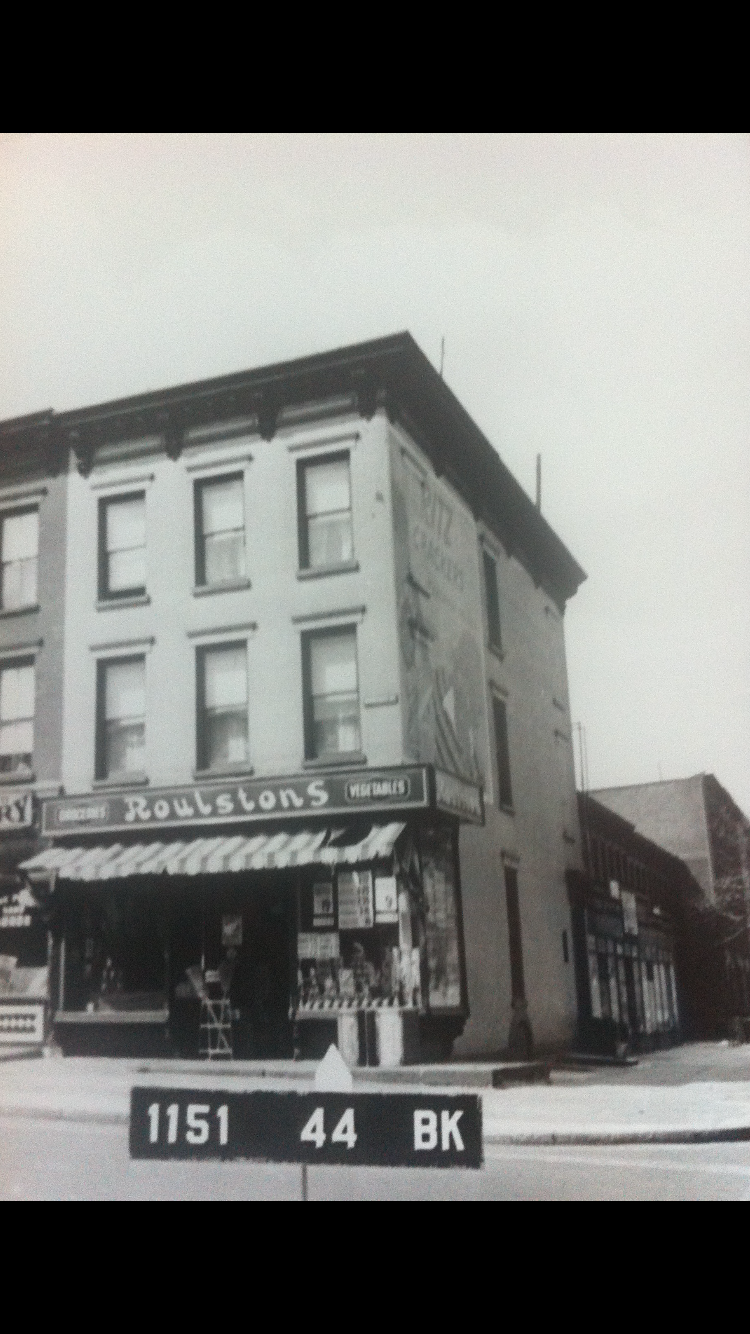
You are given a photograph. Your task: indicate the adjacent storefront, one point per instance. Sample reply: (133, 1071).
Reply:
(625, 970)
(268, 919)
(24, 973)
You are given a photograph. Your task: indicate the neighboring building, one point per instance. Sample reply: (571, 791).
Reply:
(33, 467)
(697, 820)
(631, 914)
(317, 753)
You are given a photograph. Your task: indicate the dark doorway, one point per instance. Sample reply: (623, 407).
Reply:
(245, 921)
(520, 1039)
(518, 988)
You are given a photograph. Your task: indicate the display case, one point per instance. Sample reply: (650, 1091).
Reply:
(379, 948)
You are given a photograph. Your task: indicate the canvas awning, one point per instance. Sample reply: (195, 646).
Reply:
(214, 856)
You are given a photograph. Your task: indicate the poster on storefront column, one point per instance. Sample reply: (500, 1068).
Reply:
(441, 923)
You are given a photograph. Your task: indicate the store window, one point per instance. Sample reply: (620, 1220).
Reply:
(17, 719)
(504, 789)
(492, 599)
(220, 531)
(222, 706)
(121, 709)
(122, 547)
(19, 547)
(115, 956)
(331, 693)
(325, 513)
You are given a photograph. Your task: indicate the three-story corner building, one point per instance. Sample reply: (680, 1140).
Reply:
(33, 485)
(317, 765)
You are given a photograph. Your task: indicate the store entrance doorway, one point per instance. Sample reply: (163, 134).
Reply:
(242, 924)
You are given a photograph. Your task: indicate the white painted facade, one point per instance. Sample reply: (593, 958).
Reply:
(270, 612)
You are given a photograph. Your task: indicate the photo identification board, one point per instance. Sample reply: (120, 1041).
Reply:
(337, 1129)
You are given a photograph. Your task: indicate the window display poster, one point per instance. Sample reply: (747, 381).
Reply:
(323, 904)
(629, 912)
(355, 900)
(386, 899)
(231, 931)
(441, 924)
(318, 945)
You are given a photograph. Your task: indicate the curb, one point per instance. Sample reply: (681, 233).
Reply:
(727, 1135)
(82, 1116)
(732, 1134)
(27, 1054)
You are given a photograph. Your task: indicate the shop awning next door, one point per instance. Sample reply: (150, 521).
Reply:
(215, 856)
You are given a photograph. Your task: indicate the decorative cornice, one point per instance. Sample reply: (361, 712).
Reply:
(386, 373)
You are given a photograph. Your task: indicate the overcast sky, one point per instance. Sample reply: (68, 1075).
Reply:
(592, 291)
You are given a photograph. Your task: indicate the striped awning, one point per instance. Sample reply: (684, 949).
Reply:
(214, 856)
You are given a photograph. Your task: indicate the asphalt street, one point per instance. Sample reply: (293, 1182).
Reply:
(44, 1159)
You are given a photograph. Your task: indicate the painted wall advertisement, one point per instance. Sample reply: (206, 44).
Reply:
(440, 620)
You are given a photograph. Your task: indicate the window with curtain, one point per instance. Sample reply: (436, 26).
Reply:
(222, 707)
(17, 718)
(331, 693)
(19, 549)
(220, 530)
(325, 519)
(122, 718)
(122, 546)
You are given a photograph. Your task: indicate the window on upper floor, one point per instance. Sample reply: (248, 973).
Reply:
(122, 546)
(220, 530)
(331, 693)
(325, 512)
(121, 718)
(492, 600)
(19, 548)
(222, 706)
(17, 718)
(500, 719)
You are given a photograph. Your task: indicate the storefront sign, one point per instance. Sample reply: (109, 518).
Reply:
(16, 910)
(458, 797)
(355, 1129)
(21, 1024)
(240, 802)
(16, 810)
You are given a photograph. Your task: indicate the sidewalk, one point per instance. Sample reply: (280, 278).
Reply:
(695, 1093)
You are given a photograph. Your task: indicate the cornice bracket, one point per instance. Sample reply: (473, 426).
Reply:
(84, 452)
(267, 412)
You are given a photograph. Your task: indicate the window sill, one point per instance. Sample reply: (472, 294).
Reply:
(320, 571)
(122, 780)
(340, 761)
(13, 780)
(110, 604)
(230, 586)
(496, 652)
(18, 611)
(227, 771)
